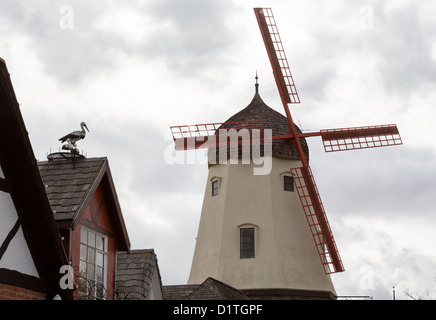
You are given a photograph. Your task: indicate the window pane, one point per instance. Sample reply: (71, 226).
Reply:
(83, 235)
(289, 183)
(99, 275)
(246, 246)
(91, 289)
(247, 232)
(91, 255)
(99, 243)
(99, 290)
(83, 253)
(91, 239)
(247, 242)
(91, 271)
(215, 188)
(82, 268)
(99, 259)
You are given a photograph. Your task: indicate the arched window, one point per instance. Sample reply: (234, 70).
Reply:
(247, 241)
(216, 183)
(287, 181)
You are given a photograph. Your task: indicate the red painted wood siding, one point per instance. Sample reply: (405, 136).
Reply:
(97, 214)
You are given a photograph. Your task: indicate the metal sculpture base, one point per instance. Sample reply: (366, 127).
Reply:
(65, 155)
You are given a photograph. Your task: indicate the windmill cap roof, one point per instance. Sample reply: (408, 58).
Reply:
(278, 123)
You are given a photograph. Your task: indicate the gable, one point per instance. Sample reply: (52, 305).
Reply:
(81, 190)
(96, 212)
(69, 183)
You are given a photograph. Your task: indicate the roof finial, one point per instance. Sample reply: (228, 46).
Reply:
(256, 84)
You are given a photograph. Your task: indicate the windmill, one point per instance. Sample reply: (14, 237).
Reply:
(204, 135)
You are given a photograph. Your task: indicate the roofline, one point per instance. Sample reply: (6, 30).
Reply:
(30, 199)
(102, 173)
(87, 199)
(136, 251)
(119, 215)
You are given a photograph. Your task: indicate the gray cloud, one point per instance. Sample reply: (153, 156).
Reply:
(403, 45)
(188, 41)
(392, 184)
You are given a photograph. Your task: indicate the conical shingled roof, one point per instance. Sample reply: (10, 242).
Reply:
(278, 123)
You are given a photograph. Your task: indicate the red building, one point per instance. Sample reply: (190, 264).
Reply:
(86, 209)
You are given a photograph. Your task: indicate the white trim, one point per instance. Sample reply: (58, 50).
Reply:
(105, 254)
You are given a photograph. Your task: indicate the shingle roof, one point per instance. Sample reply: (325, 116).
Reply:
(178, 292)
(135, 272)
(68, 183)
(278, 123)
(210, 289)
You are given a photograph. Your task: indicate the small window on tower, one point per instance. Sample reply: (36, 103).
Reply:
(247, 242)
(215, 188)
(289, 183)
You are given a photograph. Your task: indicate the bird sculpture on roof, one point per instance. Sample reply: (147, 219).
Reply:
(73, 137)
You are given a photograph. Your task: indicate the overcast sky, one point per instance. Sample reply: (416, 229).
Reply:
(131, 69)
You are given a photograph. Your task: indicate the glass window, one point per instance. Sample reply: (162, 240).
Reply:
(215, 188)
(83, 235)
(99, 243)
(93, 252)
(289, 183)
(247, 242)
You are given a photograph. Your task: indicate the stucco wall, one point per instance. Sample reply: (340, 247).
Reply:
(285, 254)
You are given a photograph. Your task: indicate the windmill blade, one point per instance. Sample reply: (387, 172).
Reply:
(188, 137)
(360, 137)
(317, 220)
(276, 54)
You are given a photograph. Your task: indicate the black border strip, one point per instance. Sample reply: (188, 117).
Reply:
(9, 238)
(4, 185)
(25, 281)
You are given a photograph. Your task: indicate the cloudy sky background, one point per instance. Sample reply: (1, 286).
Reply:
(131, 69)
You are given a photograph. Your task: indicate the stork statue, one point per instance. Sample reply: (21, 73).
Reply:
(73, 137)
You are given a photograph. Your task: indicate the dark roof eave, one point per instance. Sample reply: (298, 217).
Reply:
(105, 177)
(31, 202)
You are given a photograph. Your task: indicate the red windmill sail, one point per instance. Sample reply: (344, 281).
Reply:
(204, 135)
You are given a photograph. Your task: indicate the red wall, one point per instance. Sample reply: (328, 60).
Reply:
(8, 292)
(99, 217)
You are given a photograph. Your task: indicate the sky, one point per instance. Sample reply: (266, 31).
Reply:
(131, 69)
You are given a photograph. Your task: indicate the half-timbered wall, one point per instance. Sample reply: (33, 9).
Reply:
(16, 263)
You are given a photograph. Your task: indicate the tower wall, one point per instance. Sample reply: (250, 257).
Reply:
(285, 254)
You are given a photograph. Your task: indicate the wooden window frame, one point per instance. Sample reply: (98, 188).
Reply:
(94, 252)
